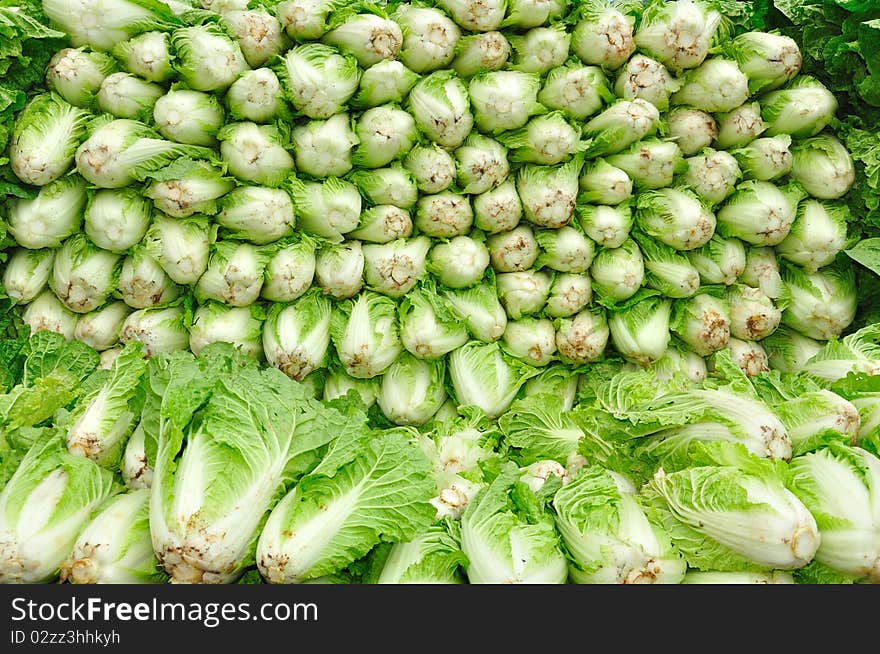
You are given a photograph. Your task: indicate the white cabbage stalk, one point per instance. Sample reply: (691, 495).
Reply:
(766, 158)
(305, 20)
(127, 96)
(607, 226)
(234, 274)
(441, 106)
(117, 219)
(115, 547)
(602, 183)
(540, 49)
(394, 186)
(206, 58)
(256, 96)
(47, 312)
(577, 91)
(76, 74)
(583, 337)
(339, 269)
(648, 79)
(190, 117)
(703, 323)
(120, 151)
(720, 261)
(803, 108)
(817, 235)
(513, 251)
(821, 304)
(525, 14)
(484, 376)
(296, 336)
(603, 37)
(549, 193)
(476, 15)
(569, 294)
(681, 359)
(667, 270)
(741, 519)
(691, 129)
(429, 38)
(43, 508)
(255, 153)
(382, 224)
(257, 214)
(147, 55)
(532, 340)
(740, 126)
(481, 164)
(368, 37)
(428, 327)
(181, 247)
(432, 167)
(762, 271)
(811, 415)
(143, 283)
(759, 212)
(788, 350)
(483, 51)
(679, 34)
(412, 390)
(823, 167)
(383, 133)
(609, 537)
(83, 275)
(290, 272)
(504, 99)
(318, 80)
(258, 34)
(101, 25)
(27, 273)
(44, 139)
(839, 485)
(650, 164)
(713, 175)
(753, 316)
(394, 268)
(444, 215)
(769, 60)
(49, 218)
(498, 209)
(187, 187)
(366, 334)
(338, 383)
(479, 308)
(387, 81)
(715, 86)
(329, 208)
(323, 148)
(432, 557)
(523, 293)
(620, 125)
(159, 330)
(750, 356)
(565, 249)
(547, 139)
(135, 467)
(459, 262)
(100, 329)
(216, 323)
(676, 217)
(640, 333)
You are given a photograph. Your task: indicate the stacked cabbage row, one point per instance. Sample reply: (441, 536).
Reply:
(396, 198)
(215, 469)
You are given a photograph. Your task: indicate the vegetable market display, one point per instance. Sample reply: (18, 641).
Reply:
(509, 291)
